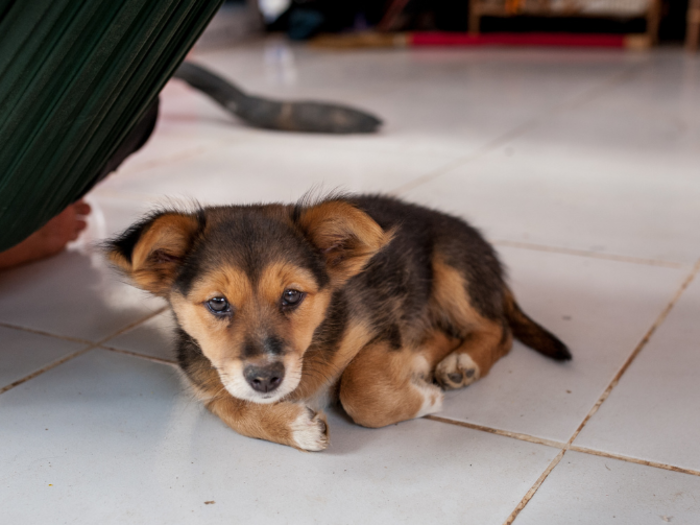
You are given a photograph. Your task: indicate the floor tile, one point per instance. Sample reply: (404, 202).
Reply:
(601, 309)
(274, 168)
(606, 176)
(593, 151)
(23, 353)
(466, 99)
(607, 206)
(74, 294)
(188, 124)
(154, 338)
(586, 489)
(667, 90)
(110, 438)
(113, 213)
(431, 101)
(653, 412)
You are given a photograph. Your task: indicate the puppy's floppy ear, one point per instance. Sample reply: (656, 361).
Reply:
(151, 251)
(347, 236)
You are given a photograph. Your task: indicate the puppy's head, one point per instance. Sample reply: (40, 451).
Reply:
(250, 284)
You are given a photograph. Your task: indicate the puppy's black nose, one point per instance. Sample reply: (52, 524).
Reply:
(264, 378)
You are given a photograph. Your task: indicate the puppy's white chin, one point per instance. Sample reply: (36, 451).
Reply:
(241, 390)
(262, 400)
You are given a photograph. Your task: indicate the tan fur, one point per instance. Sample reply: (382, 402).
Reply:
(320, 374)
(153, 261)
(450, 300)
(270, 422)
(347, 236)
(282, 276)
(383, 386)
(485, 340)
(196, 320)
(436, 345)
(220, 344)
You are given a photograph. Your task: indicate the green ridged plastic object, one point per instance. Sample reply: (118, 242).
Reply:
(75, 76)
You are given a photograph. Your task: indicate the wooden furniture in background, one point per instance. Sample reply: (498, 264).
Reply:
(692, 37)
(649, 9)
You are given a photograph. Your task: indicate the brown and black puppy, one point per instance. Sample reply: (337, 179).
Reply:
(367, 300)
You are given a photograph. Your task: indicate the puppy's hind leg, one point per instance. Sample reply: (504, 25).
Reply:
(382, 386)
(475, 356)
(484, 339)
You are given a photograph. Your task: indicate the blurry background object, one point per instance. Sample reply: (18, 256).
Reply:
(306, 116)
(693, 33)
(236, 21)
(644, 22)
(273, 9)
(626, 9)
(304, 19)
(450, 39)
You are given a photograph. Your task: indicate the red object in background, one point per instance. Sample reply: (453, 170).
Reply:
(437, 38)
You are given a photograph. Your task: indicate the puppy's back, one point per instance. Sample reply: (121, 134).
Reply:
(423, 236)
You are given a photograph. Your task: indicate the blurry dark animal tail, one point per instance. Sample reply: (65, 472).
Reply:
(532, 334)
(313, 117)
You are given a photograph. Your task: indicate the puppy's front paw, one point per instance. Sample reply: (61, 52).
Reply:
(310, 431)
(456, 370)
(432, 398)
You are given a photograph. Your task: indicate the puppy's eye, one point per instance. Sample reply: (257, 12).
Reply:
(218, 305)
(292, 298)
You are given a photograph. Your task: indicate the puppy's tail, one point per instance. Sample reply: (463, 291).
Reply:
(533, 335)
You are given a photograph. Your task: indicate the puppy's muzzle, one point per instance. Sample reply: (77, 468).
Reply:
(264, 378)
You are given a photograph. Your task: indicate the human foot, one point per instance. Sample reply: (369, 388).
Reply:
(50, 239)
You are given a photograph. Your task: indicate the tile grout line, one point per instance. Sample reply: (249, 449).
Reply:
(77, 339)
(629, 459)
(90, 346)
(136, 354)
(583, 98)
(592, 255)
(559, 445)
(466, 159)
(535, 487)
(499, 432)
(132, 325)
(47, 368)
(46, 334)
(661, 318)
(640, 346)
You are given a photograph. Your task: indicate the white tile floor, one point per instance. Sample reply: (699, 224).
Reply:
(582, 167)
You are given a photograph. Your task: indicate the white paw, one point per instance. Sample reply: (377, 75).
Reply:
(457, 370)
(432, 399)
(310, 431)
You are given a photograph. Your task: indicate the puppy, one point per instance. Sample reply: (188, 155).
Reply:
(365, 300)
